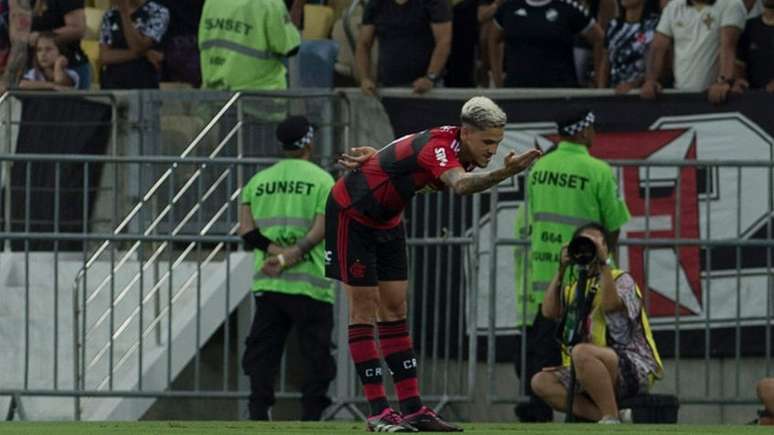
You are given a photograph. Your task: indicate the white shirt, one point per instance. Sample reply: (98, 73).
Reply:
(756, 10)
(695, 32)
(37, 76)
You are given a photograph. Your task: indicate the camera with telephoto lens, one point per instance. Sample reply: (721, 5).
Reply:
(582, 251)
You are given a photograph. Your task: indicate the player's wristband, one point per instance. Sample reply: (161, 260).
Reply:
(281, 259)
(255, 240)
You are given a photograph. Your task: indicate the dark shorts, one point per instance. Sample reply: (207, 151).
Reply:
(359, 255)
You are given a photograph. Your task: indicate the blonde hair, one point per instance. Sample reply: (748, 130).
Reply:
(482, 113)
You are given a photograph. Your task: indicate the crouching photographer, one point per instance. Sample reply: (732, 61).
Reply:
(608, 352)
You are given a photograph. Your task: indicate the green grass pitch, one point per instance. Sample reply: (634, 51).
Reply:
(335, 428)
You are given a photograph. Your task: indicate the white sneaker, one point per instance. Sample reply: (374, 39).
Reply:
(609, 420)
(625, 415)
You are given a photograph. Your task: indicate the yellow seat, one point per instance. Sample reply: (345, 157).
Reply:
(318, 21)
(93, 23)
(91, 48)
(101, 4)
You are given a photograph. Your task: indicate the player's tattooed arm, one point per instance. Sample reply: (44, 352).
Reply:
(466, 183)
(20, 12)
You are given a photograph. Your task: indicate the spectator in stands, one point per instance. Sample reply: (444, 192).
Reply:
(461, 66)
(130, 32)
(583, 53)
(703, 35)
(538, 37)
(755, 57)
(486, 13)
(618, 358)
(627, 42)
(67, 19)
(296, 10)
(181, 53)
(765, 389)
(15, 19)
(754, 8)
(414, 43)
(243, 44)
(50, 66)
(285, 228)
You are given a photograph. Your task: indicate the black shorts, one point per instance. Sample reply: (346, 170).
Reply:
(359, 255)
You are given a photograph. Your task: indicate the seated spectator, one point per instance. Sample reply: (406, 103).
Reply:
(755, 57)
(67, 19)
(603, 12)
(243, 44)
(414, 43)
(765, 389)
(617, 358)
(130, 31)
(539, 37)
(181, 53)
(50, 67)
(627, 42)
(703, 35)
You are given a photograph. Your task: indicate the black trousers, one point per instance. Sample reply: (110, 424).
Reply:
(543, 350)
(275, 314)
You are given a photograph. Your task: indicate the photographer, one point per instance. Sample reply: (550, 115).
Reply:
(615, 357)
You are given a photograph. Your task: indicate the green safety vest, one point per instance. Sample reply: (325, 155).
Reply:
(243, 44)
(566, 188)
(284, 200)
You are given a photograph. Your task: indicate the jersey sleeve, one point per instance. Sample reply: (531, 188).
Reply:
(439, 11)
(665, 22)
(369, 13)
(613, 208)
(438, 157)
(156, 24)
(580, 19)
(734, 15)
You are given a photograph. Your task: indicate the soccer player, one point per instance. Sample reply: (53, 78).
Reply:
(365, 244)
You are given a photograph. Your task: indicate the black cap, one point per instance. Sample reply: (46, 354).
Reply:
(295, 132)
(575, 121)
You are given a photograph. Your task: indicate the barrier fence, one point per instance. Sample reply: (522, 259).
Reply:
(100, 314)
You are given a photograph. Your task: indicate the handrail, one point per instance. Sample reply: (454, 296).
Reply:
(89, 353)
(80, 336)
(161, 215)
(136, 209)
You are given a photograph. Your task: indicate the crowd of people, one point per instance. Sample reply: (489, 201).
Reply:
(718, 46)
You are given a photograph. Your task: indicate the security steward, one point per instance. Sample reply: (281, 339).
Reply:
(567, 188)
(243, 44)
(282, 220)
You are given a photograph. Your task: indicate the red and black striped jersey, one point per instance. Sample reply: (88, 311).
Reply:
(377, 193)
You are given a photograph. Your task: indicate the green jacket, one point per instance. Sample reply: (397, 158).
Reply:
(284, 200)
(243, 44)
(566, 188)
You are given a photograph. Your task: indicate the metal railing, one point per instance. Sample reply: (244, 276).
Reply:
(226, 177)
(447, 241)
(680, 322)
